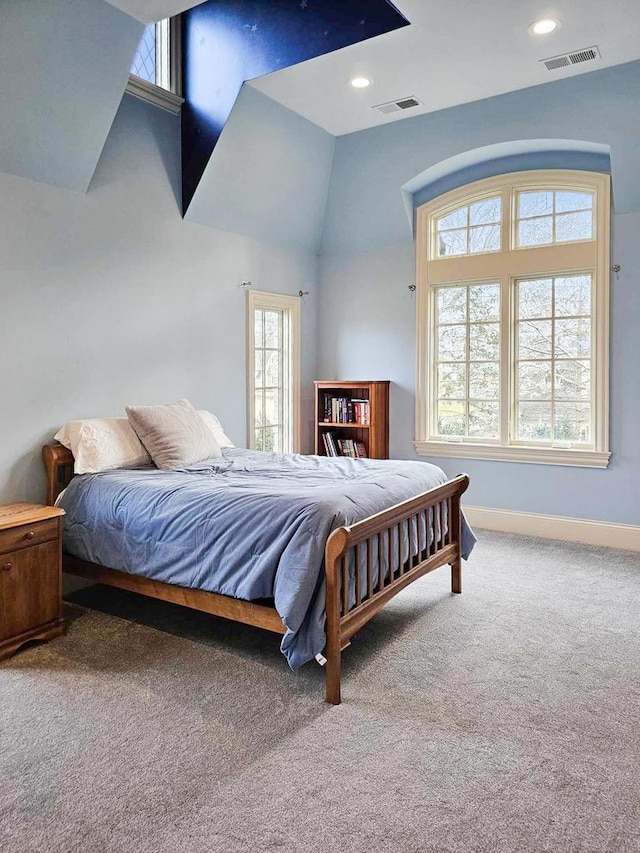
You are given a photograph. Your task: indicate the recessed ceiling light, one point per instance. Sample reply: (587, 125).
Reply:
(360, 82)
(544, 26)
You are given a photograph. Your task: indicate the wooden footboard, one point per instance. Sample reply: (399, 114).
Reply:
(371, 561)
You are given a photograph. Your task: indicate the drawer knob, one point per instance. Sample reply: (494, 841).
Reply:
(29, 535)
(6, 567)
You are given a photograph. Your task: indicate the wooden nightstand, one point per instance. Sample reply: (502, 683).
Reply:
(30, 575)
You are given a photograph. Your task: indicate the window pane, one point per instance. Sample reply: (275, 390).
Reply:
(451, 417)
(573, 338)
(484, 238)
(571, 422)
(484, 302)
(534, 298)
(259, 410)
(534, 204)
(484, 342)
(468, 370)
(272, 333)
(259, 368)
(574, 226)
(452, 304)
(272, 368)
(144, 62)
(534, 380)
(272, 407)
(534, 421)
(534, 339)
(271, 440)
(567, 201)
(259, 329)
(484, 380)
(452, 381)
(566, 358)
(452, 343)
(452, 243)
(486, 212)
(484, 419)
(573, 380)
(573, 295)
(457, 219)
(535, 232)
(259, 440)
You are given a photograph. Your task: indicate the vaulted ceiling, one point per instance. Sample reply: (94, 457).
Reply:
(64, 66)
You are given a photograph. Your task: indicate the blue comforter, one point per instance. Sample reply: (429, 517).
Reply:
(250, 525)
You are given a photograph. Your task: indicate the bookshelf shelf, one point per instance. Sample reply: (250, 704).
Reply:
(341, 425)
(357, 418)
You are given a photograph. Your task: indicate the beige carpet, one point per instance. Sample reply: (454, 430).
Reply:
(504, 720)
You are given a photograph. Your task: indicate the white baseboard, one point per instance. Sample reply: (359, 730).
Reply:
(602, 533)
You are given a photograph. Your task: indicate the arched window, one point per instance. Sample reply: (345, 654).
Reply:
(513, 320)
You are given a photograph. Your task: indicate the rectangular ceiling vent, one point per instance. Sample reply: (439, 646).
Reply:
(587, 54)
(397, 106)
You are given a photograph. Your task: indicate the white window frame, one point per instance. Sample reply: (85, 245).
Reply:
(508, 266)
(258, 300)
(166, 93)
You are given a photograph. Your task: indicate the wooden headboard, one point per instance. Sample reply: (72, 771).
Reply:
(59, 464)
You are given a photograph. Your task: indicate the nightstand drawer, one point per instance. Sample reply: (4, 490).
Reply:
(28, 534)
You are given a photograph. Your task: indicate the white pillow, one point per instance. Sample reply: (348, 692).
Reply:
(216, 428)
(101, 444)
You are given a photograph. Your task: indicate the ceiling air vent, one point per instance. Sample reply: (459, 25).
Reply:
(396, 106)
(587, 54)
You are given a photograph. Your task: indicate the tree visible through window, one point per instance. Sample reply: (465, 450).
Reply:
(513, 325)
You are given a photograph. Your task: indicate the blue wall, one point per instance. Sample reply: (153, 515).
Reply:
(269, 177)
(64, 65)
(367, 314)
(111, 298)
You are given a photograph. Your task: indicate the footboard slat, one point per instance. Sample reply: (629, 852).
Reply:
(430, 526)
(345, 585)
(358, 564)
(381, 568)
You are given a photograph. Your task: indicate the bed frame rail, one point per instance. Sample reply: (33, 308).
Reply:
(370, 562)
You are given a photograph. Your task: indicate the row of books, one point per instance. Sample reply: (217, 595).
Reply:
(343, 446)
(346, 410)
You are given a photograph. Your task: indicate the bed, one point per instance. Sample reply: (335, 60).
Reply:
(307, 547)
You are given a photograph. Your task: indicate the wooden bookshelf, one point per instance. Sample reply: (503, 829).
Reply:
(374, 434)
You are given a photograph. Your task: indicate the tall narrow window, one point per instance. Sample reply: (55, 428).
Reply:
(273, 324)
(513, 284)
(155, 73)
(152, 62)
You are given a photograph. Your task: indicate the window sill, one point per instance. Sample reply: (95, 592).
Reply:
(532, 455)
(154, 94)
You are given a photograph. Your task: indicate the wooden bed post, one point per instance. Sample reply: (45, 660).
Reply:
(335, 548)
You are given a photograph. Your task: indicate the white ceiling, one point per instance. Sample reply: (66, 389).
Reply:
(153, 10)
(456, 51)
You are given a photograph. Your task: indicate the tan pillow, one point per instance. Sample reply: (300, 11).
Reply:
(174, 434)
